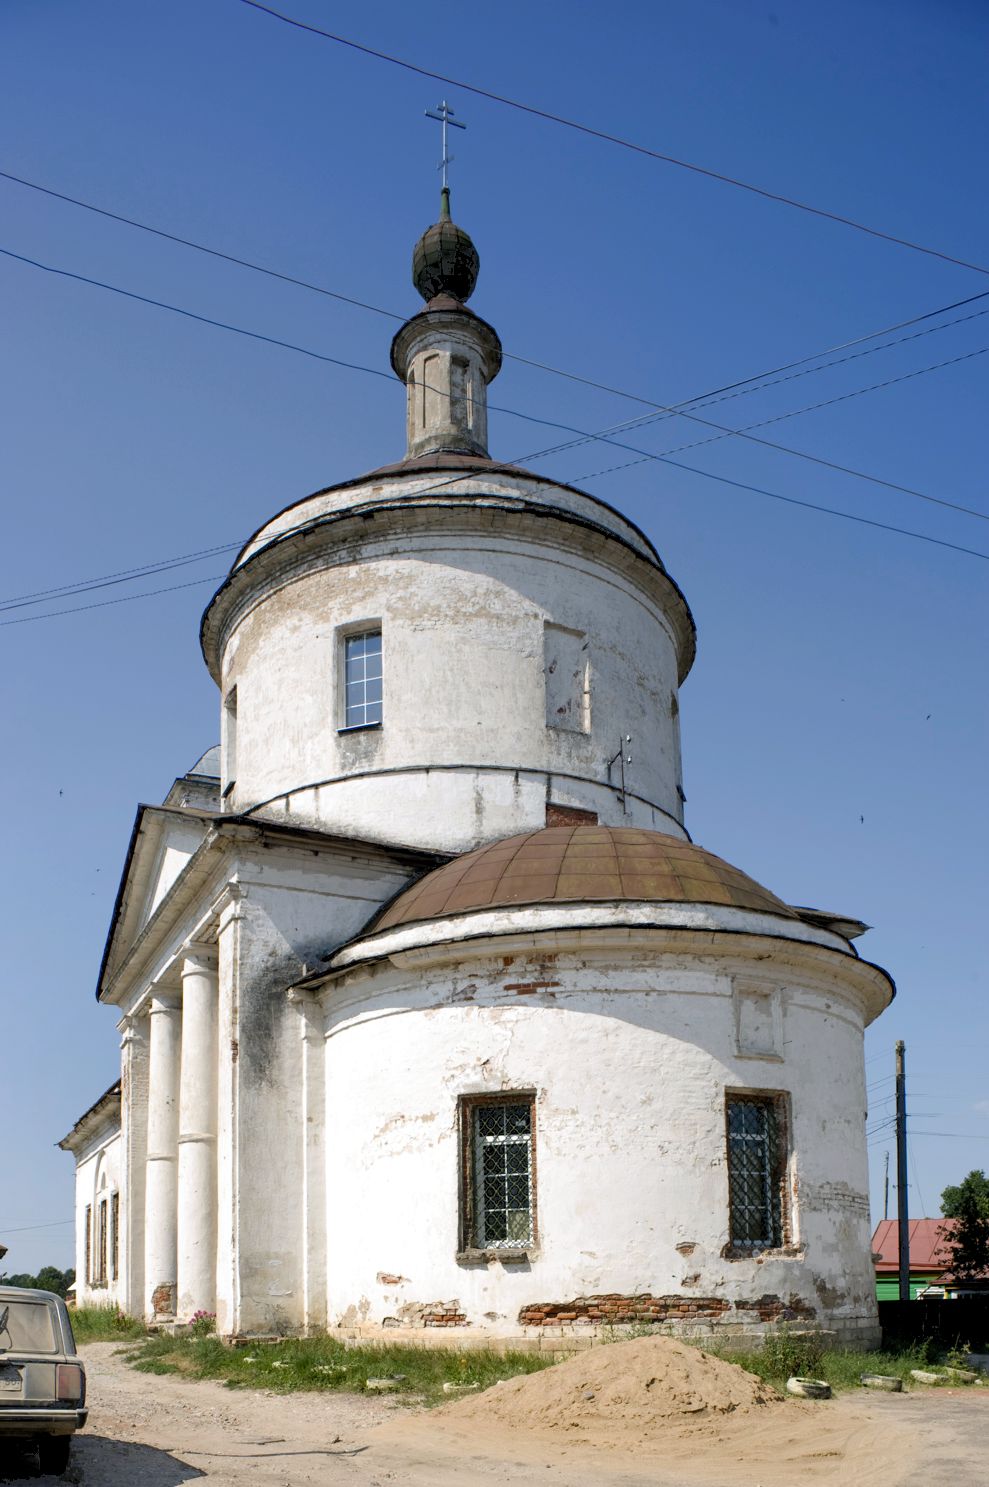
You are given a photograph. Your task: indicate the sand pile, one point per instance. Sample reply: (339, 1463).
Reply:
(635, 1389)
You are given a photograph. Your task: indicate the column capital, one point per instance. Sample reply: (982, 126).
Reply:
(228, 904)
(161, 1000)
(198, 958)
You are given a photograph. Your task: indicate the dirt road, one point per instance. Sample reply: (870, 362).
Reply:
(162, 1431)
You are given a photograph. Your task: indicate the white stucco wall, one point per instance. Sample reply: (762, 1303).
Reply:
(629, 1057)
(464, 753)
(283, 911)
(99, 1174)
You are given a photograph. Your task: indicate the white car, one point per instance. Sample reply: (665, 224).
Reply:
(42, 1378)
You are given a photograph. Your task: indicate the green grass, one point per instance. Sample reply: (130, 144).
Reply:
(104, 1324)
(784, 1354)
(323, 1363)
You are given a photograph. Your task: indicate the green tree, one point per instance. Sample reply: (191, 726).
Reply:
(975, 1185)
(48, 1278)
(967, 1241)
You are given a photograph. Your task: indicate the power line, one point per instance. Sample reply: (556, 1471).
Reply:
(604, 436)
(812, 506)
(159, 304)
(108, 580)
(106, 603)
(745, 433)
(916, 1179)
(24, 1228)
(614, 139)
(952, 1135)
(582, 437)
(725, 395)
(541, 366)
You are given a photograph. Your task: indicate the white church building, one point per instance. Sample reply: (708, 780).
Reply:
(431, 1013)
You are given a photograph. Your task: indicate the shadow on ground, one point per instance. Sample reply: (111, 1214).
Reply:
(97, 1461)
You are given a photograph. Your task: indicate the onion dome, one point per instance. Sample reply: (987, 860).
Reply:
(580, 864)
(444, 260)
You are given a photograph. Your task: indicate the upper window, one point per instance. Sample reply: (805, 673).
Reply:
(362, 679)
(498, 1172)
(756, 1171)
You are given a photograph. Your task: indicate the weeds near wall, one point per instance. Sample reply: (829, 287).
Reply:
(104, 1324)
(323, 1363)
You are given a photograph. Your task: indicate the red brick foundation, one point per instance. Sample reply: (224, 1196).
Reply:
(616, 1310)
(622, 1311)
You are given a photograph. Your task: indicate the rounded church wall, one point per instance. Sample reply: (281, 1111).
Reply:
(511, 673)
(628, 1066)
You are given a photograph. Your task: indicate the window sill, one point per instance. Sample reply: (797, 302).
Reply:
(520, 1256)
(774, 1252)
(360, 728)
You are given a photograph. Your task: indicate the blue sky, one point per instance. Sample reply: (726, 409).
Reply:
(835, 721)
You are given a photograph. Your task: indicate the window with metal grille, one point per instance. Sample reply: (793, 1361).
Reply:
(114, 1235)
(101, 1244)
(88, 1240)
(756, 1171)
(362, 707)
(499, 1169)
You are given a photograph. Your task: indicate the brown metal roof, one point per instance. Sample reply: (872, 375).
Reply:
(580, 864)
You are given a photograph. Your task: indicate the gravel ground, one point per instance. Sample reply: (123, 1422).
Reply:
(162, 1430)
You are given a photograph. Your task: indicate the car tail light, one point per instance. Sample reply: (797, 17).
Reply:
(68, 1381)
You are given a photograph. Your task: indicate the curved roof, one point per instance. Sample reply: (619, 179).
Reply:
(579, 864)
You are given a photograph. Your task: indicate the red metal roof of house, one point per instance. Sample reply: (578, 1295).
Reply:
(927, 1248)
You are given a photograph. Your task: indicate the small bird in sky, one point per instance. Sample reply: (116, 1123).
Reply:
(862, 819)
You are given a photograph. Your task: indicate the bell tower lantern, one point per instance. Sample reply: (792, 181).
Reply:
(446, 355)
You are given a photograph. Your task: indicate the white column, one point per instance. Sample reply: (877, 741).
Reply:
(134, 1145)
(313, 1040)
(197, 1134)
(161, 1173)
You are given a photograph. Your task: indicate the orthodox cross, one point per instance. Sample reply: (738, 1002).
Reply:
(444, 115)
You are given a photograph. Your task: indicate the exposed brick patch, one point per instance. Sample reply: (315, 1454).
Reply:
(569, 815)
(770, 1308)
(384, 1279)
(428, 1314)
(163, 1300)
(618, 1310)
(526, 986)
(444, 1314)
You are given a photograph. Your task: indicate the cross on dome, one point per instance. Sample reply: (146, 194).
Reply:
(444, 116)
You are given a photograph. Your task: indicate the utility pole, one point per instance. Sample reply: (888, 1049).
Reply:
(902, 1210)
(886, 1188)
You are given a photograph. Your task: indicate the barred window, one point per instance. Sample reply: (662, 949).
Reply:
(362, 679)
(114, 1235)
(88, 1242)
(99, 1278)
(499, 1171)
(756, 1171)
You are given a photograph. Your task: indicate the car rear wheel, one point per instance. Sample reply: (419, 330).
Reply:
(53, 1454)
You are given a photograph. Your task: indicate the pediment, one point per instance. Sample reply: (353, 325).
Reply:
(163, 842)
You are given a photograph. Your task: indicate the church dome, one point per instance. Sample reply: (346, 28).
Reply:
(580, 864)
(444, 260)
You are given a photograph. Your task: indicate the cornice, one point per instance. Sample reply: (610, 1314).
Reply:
(331, 540)
(799, 966)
